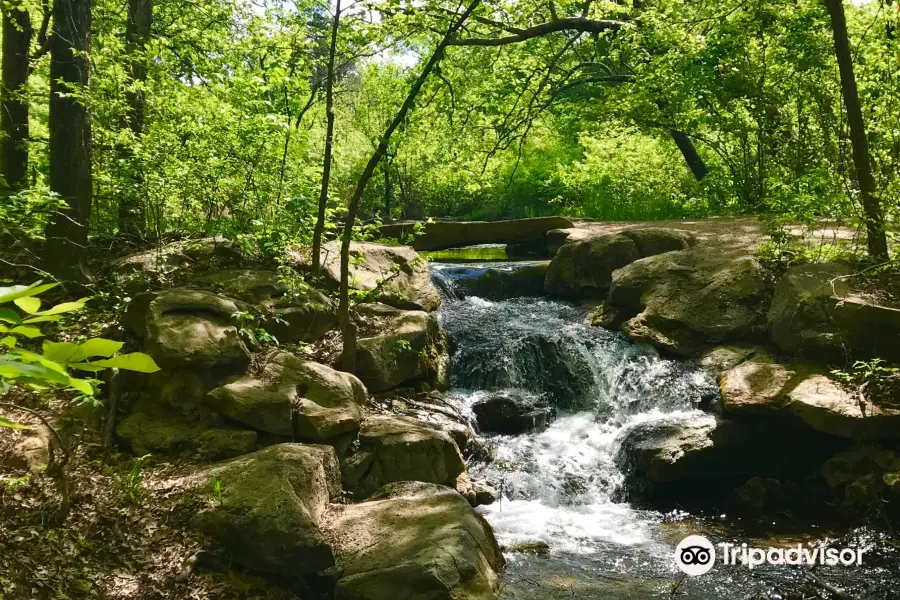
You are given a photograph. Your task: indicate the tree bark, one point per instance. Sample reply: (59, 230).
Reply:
(877, 240)
(689, 152)
(329, 143)
(132, 211)
(17, 34)
(348, 328)
(70, 136)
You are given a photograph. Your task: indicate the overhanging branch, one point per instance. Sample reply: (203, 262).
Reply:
(579, 24)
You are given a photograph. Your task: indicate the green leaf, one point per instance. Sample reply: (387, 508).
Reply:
(136, 361)
(8, 294)
(97, 347)
(29, 304)
(60, 352)
(19, 370)
(65, 307)
(9, 341)
(82, 386)
(10, 316)
(42, 319)
(29, 332)
(4, 422)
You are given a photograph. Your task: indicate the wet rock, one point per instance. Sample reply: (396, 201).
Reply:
(485, 494)
(160, 433)
(826, 406)
(393, 448)
(583, 269)
(410, 346)
(849, 465)
(539, 548)
(415, 541)
(190, 328)
(441, 235)
(688, 300)
(393, 275)
(272, 501)
(293, 397)
(816, 311)
(753, 387)
(760, 493)
(511, 414)
(499, 283)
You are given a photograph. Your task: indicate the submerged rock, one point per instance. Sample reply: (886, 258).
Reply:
(415, 541)
(688, 300)
(270, 505)
(393, 448)
(293, 397)
(409, 346)
(511, 414)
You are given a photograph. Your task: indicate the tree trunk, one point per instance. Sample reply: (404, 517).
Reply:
(329, 143)
(387, 191)
(691, 156)
(70, 136)
(137, 33)
(877, 239)
(348, 328)
(17, 33)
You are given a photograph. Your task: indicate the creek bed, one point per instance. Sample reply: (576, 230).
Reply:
(558, 486)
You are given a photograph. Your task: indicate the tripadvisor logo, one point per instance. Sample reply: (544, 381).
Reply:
(696, 555)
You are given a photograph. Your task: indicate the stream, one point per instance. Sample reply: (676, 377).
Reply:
(558, 486)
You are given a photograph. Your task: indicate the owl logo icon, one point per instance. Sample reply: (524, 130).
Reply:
(695, 555)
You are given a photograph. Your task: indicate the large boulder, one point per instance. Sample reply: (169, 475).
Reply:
(511, 413)
(815, 310)
(414, 541)
(393, 275)
(393, 448)
(250, 285)
(556, 238)
(826, 406)
(584, 268)
(148, 431)
(406, 346)
(688, 300)
(177, 255)
(192, 329)
(754, 387)
(293, 397)
(441, 235)
(268, 507)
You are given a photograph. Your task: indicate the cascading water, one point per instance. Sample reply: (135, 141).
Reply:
(557, 485)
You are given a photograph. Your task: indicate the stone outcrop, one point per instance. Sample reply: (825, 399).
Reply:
(816, 311)
(293, 397)
(441, 235)
(511, 414)
(270, 505)
(155, 431)
(824, 405)
(754, 388)
(393, 448)
(184, 328)
(393, 275)
(409, 346)
(178, 255)
(688, 300)
(583, 268)
(556, 238)
(415, 541)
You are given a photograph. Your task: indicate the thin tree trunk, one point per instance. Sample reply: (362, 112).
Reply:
(70, 136)
(691, 156)
(17, 33)
(348, 328)
(387, 191)
(877, 240)
(132, 206)
(329, 142)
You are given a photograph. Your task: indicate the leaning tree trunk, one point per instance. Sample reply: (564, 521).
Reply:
(689, 152)
(70, 136)
(329, 143)
(137, 33)
(17, 33)
(348, 328)
(877, 239)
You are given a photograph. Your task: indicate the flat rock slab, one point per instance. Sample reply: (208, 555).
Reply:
(827, 407)
(413, 541)
(441, 235)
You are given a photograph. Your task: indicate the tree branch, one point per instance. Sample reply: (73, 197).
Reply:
(579, 24)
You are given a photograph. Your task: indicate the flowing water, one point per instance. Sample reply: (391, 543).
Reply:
(558, 485)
